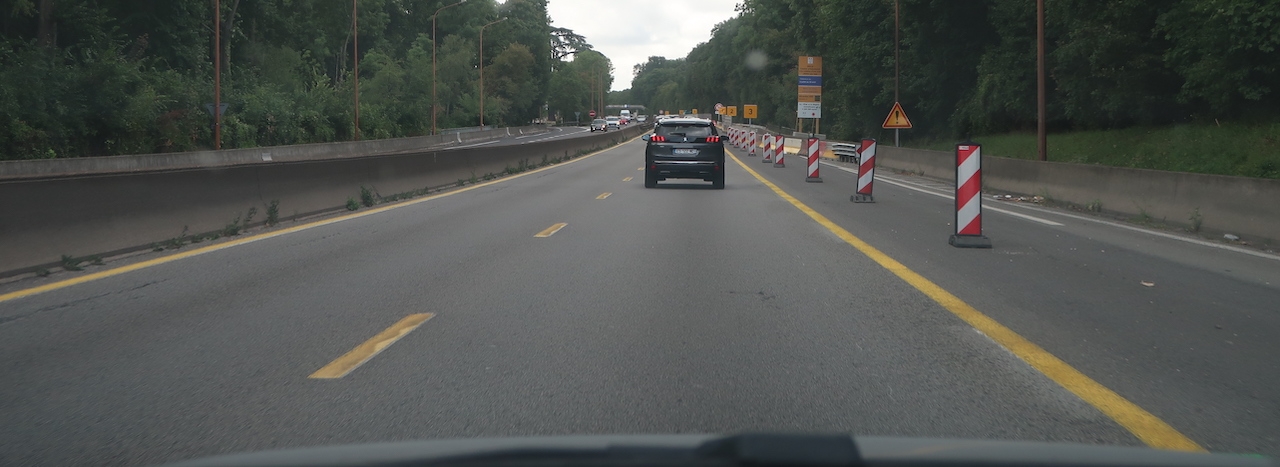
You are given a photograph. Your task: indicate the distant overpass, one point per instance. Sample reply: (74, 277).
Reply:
(623, 106)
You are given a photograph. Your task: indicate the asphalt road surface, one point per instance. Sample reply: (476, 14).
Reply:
(670, 310)
(559, 132)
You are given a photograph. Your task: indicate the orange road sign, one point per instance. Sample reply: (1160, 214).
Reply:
(897, 118)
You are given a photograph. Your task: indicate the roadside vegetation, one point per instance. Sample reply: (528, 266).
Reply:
(107, 77)
(1248, 150)
(1176, 85)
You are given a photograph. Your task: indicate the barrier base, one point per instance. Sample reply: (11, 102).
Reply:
(862, 199)
(970, 241)
(813, 179)
(779, 164)
(767, 160)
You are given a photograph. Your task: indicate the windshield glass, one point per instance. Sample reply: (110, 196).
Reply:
(692, 131)
(234, 225)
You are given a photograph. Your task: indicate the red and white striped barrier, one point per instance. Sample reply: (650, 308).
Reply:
(968, 231)
(752, 152)
(768, 148)
(780, 152)
(815, 148)
(866, 172)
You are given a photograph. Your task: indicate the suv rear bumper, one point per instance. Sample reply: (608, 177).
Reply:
(705, 170)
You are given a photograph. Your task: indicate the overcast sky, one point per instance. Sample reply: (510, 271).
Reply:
(630, 31)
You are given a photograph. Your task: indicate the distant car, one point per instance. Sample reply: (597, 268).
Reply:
(684, 148)
(612, 122)
(599, 125)
(642, 118)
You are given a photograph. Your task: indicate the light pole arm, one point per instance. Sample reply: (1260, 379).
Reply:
(491, 23)
(434, 43)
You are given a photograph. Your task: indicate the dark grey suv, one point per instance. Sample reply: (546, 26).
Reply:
(684, 148)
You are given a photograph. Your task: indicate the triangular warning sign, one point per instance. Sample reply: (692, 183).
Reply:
(897, 118)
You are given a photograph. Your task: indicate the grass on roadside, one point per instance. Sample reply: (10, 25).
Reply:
(1249, 150)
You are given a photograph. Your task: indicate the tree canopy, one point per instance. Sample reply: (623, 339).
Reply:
(100, 77)
(969, 67)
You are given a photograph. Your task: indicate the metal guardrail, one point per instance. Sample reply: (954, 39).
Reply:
(845, 152)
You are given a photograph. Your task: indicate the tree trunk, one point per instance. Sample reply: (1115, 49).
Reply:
(47, 31)
(226, 37)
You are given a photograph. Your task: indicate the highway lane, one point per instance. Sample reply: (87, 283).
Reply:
(1196, 349)
(677, 309)
(561, 132)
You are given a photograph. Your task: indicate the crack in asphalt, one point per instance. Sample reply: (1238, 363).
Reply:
(10, 319)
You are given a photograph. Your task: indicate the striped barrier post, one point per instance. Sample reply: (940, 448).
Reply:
(733, 139)
(814, 147)
(768, 148)
(782, 151)
(753, 145)
(968, 231)
(866, 172)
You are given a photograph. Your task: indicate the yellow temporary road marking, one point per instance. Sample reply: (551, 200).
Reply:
(639, 168)
(627, 179)
(604, 195)
(263, 236)
(376, 344)
(1147, 427)
(552, 230)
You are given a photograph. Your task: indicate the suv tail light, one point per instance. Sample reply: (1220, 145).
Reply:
(658, 138)
(713, 139)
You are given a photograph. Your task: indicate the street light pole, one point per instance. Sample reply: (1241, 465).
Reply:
(1042, 146)
(896, 68)
(355, 54)
(434, 42)
(482, 67)
(217, 75)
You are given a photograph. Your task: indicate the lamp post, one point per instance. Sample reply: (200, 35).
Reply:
(217, 75)
(434, 100)
(491, 23)
(355, 56)
(1042, 147)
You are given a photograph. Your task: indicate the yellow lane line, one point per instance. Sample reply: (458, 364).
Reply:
(262, 236)
(639, 168)
(376, 344)
(604, 195)
(1147, 427)
(551, 230)
(627, 179)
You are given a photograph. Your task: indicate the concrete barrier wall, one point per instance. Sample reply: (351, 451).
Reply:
(42, 219)
(45, 168)
(1247, 207)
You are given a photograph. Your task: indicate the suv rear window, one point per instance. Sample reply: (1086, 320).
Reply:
(692, 130)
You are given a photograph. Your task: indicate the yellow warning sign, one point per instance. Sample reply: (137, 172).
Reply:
(731, 111)
(897, 118)
(749, 111)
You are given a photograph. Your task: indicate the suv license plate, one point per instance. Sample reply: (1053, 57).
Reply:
(684, 152)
